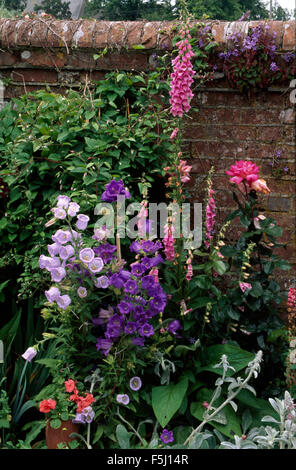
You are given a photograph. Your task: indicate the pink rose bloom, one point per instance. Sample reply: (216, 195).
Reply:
(243, 171)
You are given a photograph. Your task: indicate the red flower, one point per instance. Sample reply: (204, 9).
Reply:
(85, 402)
(70, 386)
(46, 406)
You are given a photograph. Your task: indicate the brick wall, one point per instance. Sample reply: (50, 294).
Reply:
(229, 126)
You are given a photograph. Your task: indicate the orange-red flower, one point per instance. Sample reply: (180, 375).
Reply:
(46, 406)
(260, 186)
(70, 386)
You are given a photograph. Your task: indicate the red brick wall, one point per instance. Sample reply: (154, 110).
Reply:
(228, 126)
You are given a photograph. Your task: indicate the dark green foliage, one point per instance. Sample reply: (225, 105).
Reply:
(58, 8)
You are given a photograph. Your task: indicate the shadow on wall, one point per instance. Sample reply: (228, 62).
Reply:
(76, 7)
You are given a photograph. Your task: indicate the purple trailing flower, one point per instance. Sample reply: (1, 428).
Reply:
(113, 190)
(29, 354)
(123, 399)
(289, 56)
(85, 417)
(82, 221)
(167, 436)
(273, 67)
(135, 383)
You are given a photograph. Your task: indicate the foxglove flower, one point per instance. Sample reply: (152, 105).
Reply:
(182, 77)
(244, 286)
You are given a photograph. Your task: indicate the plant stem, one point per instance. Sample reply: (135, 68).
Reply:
(229, 399)
(132, 428)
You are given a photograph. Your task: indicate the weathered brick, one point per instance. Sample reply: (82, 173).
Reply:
(33, 75)
(289, 35)
(278, 203)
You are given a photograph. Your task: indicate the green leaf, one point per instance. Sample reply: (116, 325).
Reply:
(237, 358)
(220, 267)
(138, 46)
(123, 437)
(55, 423)
(167, 400)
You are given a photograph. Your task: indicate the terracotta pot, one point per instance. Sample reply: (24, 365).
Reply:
(55, 436)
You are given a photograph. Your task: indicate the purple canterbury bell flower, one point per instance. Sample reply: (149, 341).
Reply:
(82, 221)
(167, 436)
(135, 383)
(113, 190)
(123, 399)
(29, 354)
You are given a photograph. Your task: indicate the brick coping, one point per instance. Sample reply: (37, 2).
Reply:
(96, 35)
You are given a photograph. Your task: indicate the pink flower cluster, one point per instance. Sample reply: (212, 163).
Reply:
(189, 273)
(210, 217)
(292, 297)
(182, 77)
(168, 242)
(184, 171)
